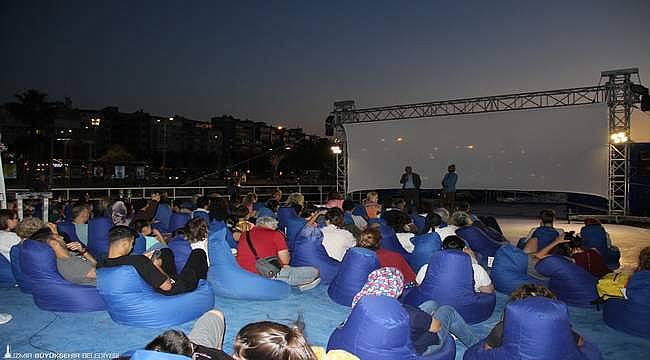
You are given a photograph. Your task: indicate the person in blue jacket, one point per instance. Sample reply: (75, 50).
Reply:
(449, 187)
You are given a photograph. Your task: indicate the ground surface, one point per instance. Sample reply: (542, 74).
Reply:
(34, 332)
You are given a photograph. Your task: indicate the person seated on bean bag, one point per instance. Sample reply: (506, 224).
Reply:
(8, 238)
(630, 313)
(147, 238)
(202, 208)
(595, 236)
(353, 223)
(204, 342)
(74, 262)
(482, 281)
(402, 225)
(570, 246)
(267, 340)
(196, 233)
(336, 240)
(77, 230)
(488, 224)
(430, 323)
(158, 268)
(268, 241)
(539, 237)
(371, 239)
(495, 337)
(483, 245)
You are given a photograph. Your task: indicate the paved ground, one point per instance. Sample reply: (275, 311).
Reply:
(630, 240)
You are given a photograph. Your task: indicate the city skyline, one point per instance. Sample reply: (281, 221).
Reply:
(286, 63)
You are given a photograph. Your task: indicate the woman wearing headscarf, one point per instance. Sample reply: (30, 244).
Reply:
(431, 324)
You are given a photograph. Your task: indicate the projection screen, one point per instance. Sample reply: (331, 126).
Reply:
(557, 149)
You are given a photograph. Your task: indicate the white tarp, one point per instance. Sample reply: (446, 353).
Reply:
(559, 149)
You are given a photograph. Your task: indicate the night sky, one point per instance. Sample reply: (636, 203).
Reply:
(286, 62)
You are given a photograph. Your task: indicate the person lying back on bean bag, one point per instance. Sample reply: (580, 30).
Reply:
(156, 268)
(73, 261)
(570, 246)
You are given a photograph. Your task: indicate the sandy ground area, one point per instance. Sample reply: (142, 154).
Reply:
(630, 240)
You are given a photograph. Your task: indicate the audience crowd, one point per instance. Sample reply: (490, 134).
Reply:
(260, 232)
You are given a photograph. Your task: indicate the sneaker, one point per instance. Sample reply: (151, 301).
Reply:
(5, 318)
(309, 285)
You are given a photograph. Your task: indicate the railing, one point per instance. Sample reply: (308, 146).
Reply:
(311, 192)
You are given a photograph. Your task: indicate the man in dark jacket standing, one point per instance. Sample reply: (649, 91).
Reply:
(411, 189)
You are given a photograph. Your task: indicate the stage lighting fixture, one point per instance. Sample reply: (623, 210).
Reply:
(619, 138)
(336, 149)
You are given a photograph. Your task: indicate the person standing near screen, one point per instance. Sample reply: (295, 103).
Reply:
(411, 188)
(449, 187)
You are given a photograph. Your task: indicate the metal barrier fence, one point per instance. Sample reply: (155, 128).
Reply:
(311, 192)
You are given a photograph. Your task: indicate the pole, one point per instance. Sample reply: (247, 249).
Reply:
(3, 189)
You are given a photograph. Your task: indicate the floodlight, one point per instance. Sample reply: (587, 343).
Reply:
(336, 149)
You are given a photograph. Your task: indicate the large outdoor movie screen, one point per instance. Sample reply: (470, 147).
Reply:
(556, 149)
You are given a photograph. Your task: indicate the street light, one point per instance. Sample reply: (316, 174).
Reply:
(336, 149)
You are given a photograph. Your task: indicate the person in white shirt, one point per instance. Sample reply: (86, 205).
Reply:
(196, 233)
(482, 281)
(336, 241)
(8, 238)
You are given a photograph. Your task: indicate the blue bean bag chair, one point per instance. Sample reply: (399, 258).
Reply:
(50, 290)
(178, 221)
(544, 234)
(263, 211)
(162, 218)
(631, 316)
(536, 328)
(309, 251)
(98, 236)
(139, 245)
(419, 221)
(378, 328)
(570, 283)
(510, 269)
(450, 281)
(22, 280)
(154, 355)
(389, 240)
(353, 273)
(6, 274)
(595, 236)
(479, 241)
(216, 225)
(181, 249)
(294, 225)
(67, 228)
(131, 301)
(360, 210)
(229, 280)
(284, 213)
(425, 246)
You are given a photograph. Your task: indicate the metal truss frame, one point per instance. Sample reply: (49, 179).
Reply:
(616, 93)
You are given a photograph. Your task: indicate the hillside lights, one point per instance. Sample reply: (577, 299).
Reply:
(619, 138)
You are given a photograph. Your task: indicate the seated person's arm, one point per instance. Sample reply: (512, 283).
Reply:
(531, 246)
(76, 246)
(284, 257)
(549, 248)
(152, 273)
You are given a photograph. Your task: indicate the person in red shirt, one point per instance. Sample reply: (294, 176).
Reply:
(268, 241)
(569, 245)
(371, 239)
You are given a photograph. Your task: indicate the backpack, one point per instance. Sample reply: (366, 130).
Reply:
(610, 285)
